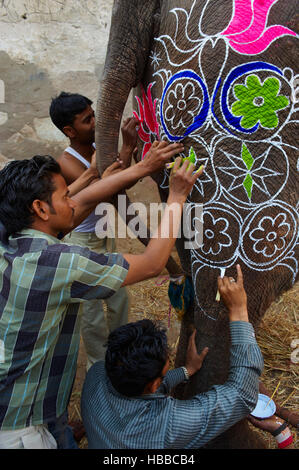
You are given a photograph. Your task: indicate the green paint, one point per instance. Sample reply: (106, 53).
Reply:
(248, 161)
(258, 102)
(247, 157)
(191, 157)
(247, 183)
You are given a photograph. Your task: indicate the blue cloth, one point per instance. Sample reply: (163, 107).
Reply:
(62, 432)
(181, 296)
(159, 421)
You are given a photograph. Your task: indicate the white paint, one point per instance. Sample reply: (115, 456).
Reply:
(230, 198)
(264, 407)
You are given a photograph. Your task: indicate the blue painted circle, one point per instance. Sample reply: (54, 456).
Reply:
(201, 117)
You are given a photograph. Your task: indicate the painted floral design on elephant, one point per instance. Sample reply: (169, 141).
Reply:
(182, 98)
(222, 226)
(215, 236)
(258, 102)
(251, 104)
(148, 125)
(247, 32)
(270, 235)
(250, 178)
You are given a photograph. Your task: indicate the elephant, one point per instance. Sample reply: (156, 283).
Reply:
(220, 76)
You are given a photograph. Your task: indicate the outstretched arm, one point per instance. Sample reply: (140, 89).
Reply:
(87, 199)
(157, 252)
(202, 418)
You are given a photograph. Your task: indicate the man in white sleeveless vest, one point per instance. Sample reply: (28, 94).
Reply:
(73, 115)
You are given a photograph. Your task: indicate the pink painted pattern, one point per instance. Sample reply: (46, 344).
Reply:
(248, 32)
(147, 116)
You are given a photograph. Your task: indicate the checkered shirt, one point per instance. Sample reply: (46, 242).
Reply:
(42, 283)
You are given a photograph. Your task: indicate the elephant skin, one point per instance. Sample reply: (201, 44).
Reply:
(221, 77)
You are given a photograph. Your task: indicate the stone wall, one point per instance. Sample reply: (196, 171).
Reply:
(46, 46)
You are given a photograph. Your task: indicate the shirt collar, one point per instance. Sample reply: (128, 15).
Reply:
(3, 234)
(32, 233)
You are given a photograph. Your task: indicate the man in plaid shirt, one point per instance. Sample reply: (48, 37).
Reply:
(43, 281)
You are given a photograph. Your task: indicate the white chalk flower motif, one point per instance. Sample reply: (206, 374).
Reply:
(270, 235)
(183, 105)
(214, 234)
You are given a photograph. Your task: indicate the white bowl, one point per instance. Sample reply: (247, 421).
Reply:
(262, 410)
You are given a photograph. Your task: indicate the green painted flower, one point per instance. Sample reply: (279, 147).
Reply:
(258, 102)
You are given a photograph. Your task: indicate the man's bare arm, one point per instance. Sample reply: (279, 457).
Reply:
(156, 254)
(87, 199)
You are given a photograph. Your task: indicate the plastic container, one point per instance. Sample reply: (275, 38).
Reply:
(262, 410)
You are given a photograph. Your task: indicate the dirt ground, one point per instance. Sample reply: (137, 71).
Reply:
(150, 299)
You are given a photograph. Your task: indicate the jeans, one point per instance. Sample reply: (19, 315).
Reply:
(62, 432)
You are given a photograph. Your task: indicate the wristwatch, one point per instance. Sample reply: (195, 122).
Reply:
(186, 373)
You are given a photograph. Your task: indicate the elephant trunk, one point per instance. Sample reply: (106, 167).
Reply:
(109, 112)
(129, 45)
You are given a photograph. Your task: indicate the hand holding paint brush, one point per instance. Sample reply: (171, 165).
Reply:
(191, 158)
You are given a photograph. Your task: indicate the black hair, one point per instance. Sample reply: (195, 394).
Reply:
(136, 354)
(21, 182)
(64, 108)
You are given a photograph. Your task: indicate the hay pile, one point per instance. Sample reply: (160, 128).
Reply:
(279, 327)
(278, 338)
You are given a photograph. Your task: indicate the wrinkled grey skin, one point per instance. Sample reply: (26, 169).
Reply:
(135, 25)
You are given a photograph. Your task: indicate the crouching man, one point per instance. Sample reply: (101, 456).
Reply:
(125, 401)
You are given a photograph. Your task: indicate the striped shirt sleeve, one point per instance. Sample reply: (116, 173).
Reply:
(171, 380)
(97, 275)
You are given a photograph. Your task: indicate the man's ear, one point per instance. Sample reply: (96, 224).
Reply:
(69, 131)
(41, 209)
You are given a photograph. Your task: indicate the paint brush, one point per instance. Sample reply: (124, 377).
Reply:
(273, 394)
(222, 272)
(171, 165)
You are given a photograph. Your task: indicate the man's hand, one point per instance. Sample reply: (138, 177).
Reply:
(116, 167)
(182, 179)
(129, 136)
(193, 359)
(234, 296)
(268, 424)
(159, 154)
(93, 165)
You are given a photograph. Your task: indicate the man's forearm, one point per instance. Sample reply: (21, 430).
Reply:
(84, 180)
(153, 260)
(107, 187)
(163, 240)
(104, 189)
(171, 380)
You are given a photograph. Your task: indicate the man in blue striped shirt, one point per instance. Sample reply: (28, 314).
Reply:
(43, 281)
(126, 402)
